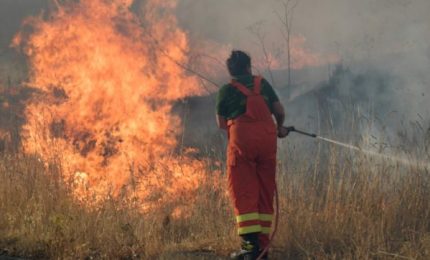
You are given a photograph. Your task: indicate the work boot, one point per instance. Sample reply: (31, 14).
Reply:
(249, 248)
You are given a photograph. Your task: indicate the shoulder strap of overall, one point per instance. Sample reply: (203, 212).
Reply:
(247, 92)
(257, 85)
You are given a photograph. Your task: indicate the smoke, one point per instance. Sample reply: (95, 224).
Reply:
(384, 45)
(358, 31)
(12, 12)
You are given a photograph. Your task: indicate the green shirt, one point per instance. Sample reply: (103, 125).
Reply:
(231, 103)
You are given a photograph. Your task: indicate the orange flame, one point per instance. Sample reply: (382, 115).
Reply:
(301, 57)
(106, 96)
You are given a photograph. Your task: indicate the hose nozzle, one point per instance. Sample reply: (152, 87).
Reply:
(290, 128)
(293, 129)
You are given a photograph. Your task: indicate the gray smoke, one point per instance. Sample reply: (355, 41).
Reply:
(383, 46)
(12, 13)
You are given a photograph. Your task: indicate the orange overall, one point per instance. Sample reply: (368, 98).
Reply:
(251, 164)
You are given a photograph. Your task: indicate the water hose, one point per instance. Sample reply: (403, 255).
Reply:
(275, 227)
(397, 159)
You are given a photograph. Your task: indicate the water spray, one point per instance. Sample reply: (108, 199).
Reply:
(401, 160)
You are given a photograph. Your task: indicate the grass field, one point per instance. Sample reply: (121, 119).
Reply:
(333, 207)
(107, 92)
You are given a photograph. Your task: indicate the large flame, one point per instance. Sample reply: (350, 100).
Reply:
(107, 84)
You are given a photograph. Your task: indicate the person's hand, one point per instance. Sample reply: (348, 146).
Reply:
(283, 131)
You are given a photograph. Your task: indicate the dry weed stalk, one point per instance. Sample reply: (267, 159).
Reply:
(351, 209)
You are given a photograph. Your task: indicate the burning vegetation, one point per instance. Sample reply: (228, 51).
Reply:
(93, 163)
(105, 93)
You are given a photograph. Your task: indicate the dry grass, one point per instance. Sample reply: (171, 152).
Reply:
(40, 218)
(352, 209)
(342, 209)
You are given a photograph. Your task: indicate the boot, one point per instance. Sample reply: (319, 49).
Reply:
(249, 248)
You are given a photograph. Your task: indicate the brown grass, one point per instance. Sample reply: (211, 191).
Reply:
(341, 209)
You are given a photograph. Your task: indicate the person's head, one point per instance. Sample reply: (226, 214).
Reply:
(239, 63)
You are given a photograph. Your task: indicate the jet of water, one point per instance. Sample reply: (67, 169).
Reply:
(398, 159)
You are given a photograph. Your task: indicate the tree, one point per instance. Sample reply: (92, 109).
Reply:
(286, 19)
(256, 30)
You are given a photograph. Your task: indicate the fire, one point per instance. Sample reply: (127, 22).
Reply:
(106, 91)
(301, 56)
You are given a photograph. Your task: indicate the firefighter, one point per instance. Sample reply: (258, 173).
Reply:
(244, 109)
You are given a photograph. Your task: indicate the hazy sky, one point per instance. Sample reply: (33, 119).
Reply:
(348, 27)
(392, 36)
(11, 14)
(389, 34)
